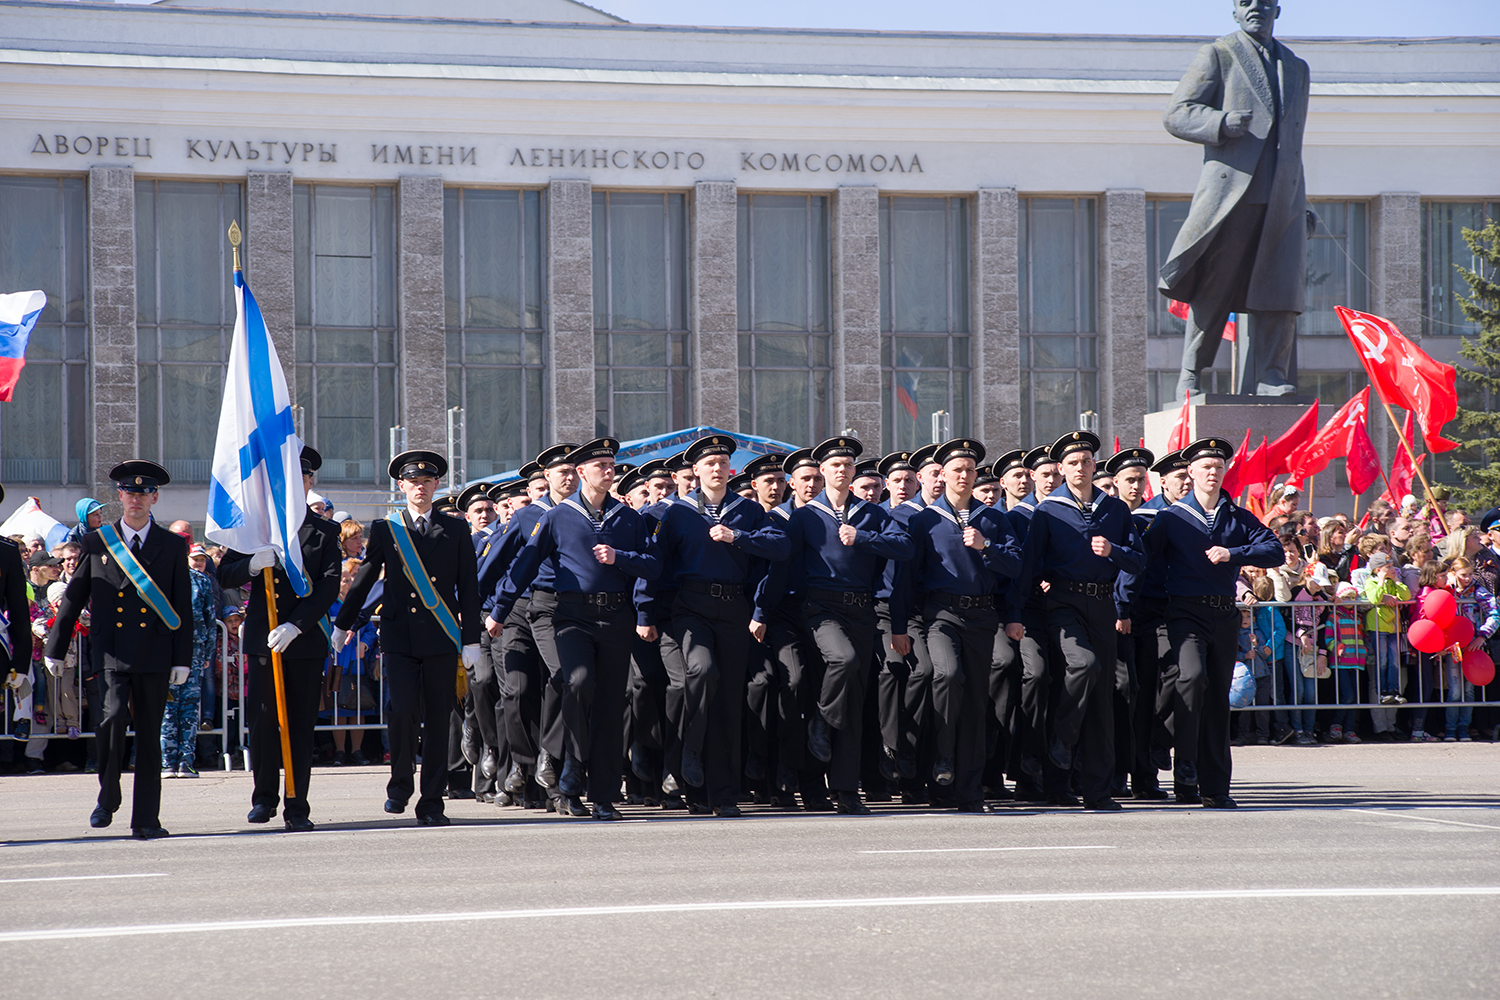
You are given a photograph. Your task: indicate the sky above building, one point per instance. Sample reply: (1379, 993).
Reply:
(1346, 18)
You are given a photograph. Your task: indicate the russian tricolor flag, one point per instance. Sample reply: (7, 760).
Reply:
(18, 314)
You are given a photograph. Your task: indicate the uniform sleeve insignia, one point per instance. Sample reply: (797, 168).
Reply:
(535, 528)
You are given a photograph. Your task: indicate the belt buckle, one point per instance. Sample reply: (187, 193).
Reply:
(848, 597)
(964, 602)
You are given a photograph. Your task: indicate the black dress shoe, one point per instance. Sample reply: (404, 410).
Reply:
(699, 809)
(727, 811)
(546, 770)
(979, 806)
(1119, 787)
(913, 798)
(819, 737)
(783, 800)
(639, 765)
(1031, 767)
(1149, 793)
(849, 804)
(1029, 791)
(877, 795)
(888, 766)
(1219, 802)
(489, 764)
(100, 818)
(606, 811)
(1062, 799)
(999, 792)
(942, 771)
(817, 803)
(1186, 795)
(515, 779)
(673, 803)
(570, 805)
(786, 779)
(760, 798)
(692, 768)
(472, 744)
(148, 833)
(461, 793)
(755, 766)
(1105, 805)
(261, 813)
(1060, 754)
(435, 819)
(571, 781)
(393, 807)
(299, 824)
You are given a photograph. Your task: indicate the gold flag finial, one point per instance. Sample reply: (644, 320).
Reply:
(234, 240)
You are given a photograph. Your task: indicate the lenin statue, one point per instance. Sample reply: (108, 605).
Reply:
(1243, 248)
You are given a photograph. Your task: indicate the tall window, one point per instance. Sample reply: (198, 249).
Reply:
(1164, 221)
(43, 235)
(1443, 247)
(345, 248)
(184, 297)
(1059, 358)
(1337, 267)
(640, 313)
(924, 317)
(493, 260)
(784, 340)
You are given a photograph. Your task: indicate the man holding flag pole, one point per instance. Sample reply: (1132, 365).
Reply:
(258, 508)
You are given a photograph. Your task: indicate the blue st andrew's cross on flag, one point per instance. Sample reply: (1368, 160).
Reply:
(256, 501)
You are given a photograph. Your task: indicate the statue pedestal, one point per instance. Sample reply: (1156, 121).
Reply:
(1226, 416)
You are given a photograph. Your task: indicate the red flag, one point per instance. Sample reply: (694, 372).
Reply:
(1344, 436)
(1181, 431)
(1255, 477)
(1403, 470)
(1117, 445)
(1405, 376)
(1280, 452)
(1180, 310)
(1234, 478)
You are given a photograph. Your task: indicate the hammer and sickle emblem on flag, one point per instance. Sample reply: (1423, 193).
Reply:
(1374, 351)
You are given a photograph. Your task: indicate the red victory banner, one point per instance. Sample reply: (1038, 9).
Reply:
(1404, 376)
(1345, 436)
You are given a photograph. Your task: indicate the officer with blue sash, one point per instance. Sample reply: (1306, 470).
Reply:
(595, 547)
(710, 543)
(301, 640)
(1079, 540)
(429, 621)
(838, 543)
(962, 549)
(133, 579)
(1202, 541)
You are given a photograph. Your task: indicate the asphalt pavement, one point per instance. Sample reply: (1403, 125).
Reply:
(1368, 871)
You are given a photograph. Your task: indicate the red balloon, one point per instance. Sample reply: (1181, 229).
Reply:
(1439, 607)
(1460, 633)
(1425, 636)
(1479, 668)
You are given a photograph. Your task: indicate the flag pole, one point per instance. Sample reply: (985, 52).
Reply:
(268, 577)
(1416, 466)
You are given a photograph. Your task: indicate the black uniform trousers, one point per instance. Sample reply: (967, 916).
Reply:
(904, 685)
(674, 690)
(302, 680)
(760, 699)
(795, 663)
(961, 643)
(1148, 639)
(422, 694)
(141, 698)
(1206, 642)
(713, 634)
(1122, 703)
(1082, 713)
(484, 689)
(1034, 650)
(1005, 696)
(844, 635)
(593, 653)
(521, 684)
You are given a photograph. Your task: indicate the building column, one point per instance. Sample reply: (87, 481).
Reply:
(856, 315)
(1122, 317)
(424, 346)
(112, 347)
(996, 320)
(570, 309)
(271, 262)
(1395, 242)
(715, 263)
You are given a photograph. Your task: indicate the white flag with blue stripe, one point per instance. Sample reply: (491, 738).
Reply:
(255, 497)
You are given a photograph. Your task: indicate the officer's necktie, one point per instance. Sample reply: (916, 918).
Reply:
(135, 545)
(422, 526)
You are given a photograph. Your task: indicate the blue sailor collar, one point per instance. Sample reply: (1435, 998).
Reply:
(824, 503)
(699, 503)
(608, 509)
(945, 509)
(1063, 495)
(1190, 504)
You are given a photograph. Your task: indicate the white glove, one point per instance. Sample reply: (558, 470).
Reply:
(262, 560)
(471, 655)
(340, 638)
(281, 637)
(178, 676)
(54, 667)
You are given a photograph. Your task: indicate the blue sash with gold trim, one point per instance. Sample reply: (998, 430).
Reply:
(416, 572)
(144, 585)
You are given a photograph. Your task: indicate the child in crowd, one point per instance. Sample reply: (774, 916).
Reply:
(179, 723)
(1346, 653)
(350, 688)
(1256, 654)
(1302, 667)
(1384, 589)
(62, 698)
(1432, 577)
(1478, 605)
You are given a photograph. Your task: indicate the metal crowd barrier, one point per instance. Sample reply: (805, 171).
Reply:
(1429, 670)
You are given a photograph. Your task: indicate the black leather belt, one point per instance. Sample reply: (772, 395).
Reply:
(723, 591)
(1211, 600)
(609, 600)
(854, 598)
(1098, 591)
(963, 601)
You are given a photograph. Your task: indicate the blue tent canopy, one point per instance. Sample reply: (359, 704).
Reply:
(661, 446)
